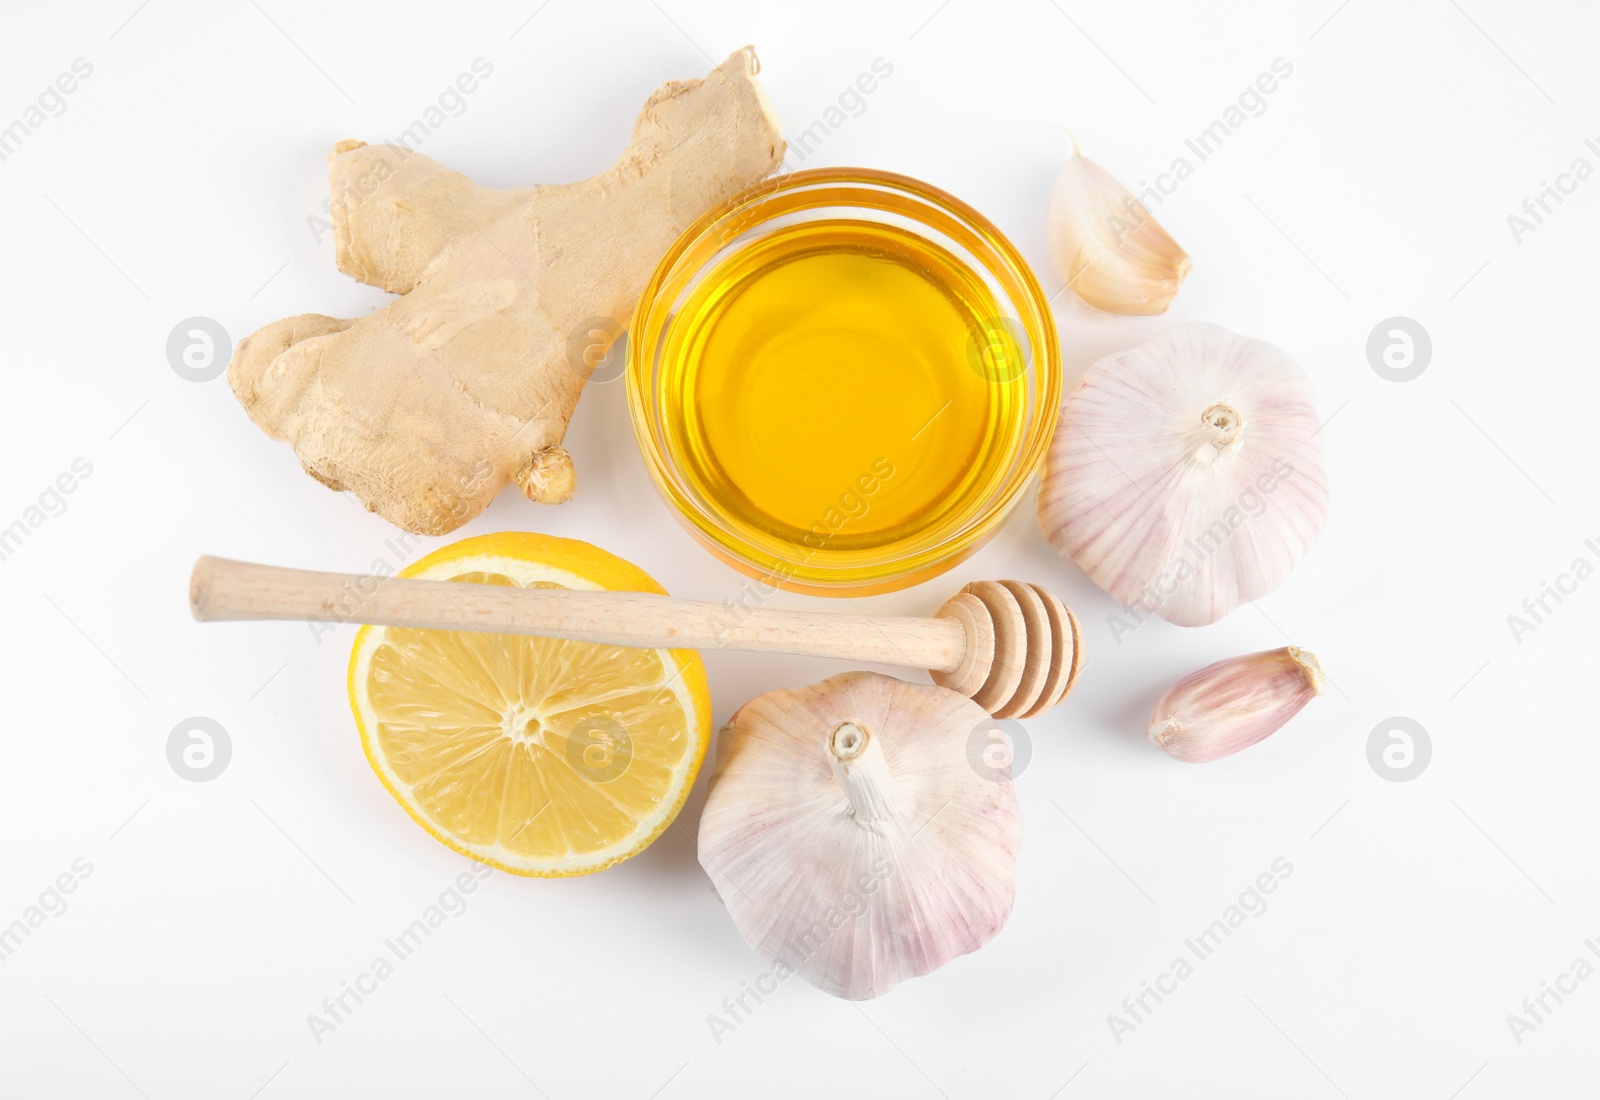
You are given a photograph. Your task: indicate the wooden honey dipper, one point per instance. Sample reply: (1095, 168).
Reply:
(1010, 645)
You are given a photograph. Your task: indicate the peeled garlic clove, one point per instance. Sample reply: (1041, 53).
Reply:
(851, 837)
(1107, 247)
(1233, 704)
(1186, 475)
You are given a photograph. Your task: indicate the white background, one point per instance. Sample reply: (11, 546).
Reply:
(1377, 183)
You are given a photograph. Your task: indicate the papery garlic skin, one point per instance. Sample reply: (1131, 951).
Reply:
(1186, 474)
(1233, 704)
(851, 837)
(1107, 247)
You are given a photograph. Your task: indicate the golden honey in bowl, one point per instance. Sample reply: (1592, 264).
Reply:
(843, 380)
(834, 385)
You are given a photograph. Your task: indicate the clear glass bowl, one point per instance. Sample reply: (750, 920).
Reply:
(1017, 346)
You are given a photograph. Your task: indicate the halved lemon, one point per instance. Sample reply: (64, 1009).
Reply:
(535, 755)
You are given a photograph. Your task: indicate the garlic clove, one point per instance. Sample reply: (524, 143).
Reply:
(1233, 704)
(1106, 245)
(1186, 474)
(852, 838)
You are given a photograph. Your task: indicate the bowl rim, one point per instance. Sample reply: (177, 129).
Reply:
(1045, 366)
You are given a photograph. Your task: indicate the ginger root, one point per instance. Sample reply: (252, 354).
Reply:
(426, 408)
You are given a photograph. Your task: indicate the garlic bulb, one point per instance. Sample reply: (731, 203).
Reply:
(1233, 704)
(1186, 475)
(852, 837)
(1107, 247)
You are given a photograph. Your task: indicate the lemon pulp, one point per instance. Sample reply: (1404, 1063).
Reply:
(536, 755)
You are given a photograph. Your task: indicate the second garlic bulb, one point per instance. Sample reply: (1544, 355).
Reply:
(1186, 475)
(851, 836)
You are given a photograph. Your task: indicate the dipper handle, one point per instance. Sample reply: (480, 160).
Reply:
(1003, 643)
